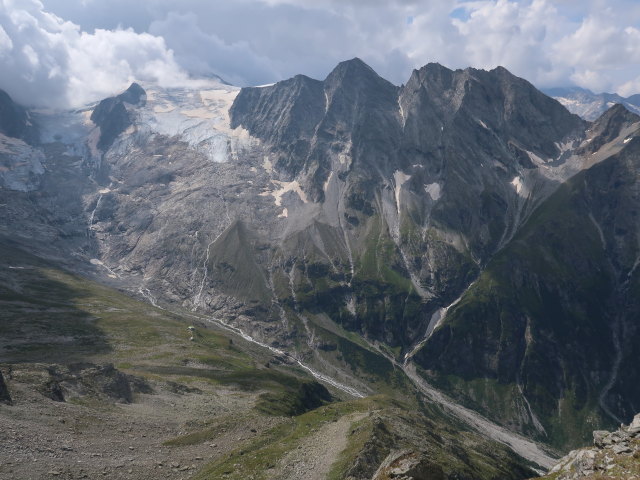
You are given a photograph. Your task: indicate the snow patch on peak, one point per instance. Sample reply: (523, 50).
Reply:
(164, 108)
(517, 184)
(202, 113)
(284, 188)
(434, 190)
(99, 263)
(197, 117)
(400, 178)
(327, 182)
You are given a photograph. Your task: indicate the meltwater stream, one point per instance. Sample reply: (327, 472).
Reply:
(146, 294)
(522, 446)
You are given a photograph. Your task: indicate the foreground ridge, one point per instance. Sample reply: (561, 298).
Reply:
(614, 454)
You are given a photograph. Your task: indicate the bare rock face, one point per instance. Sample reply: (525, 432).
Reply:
(448, 171)
(21, 167)
(14, 119)
(112, 115)
(85, 379)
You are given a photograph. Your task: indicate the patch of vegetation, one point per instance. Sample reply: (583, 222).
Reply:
(352, 352)
(259, 457)
(360, 434)
(201, 436)
(532, 318)
(309, 395)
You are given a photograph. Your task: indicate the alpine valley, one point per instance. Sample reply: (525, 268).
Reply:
(316, 279)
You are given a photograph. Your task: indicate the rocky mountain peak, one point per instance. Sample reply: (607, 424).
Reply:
(354, 81)
(287, 110)
(298, 113)
(498, 101)
(112, 116)
(589, 105)
(14, 119)
(525, 114)
(432, 74)
(135, 95)
(618, 113)
(610, 125)
(351, 69)
(352, 75)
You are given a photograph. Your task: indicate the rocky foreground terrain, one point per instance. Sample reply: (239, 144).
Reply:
(615, 455)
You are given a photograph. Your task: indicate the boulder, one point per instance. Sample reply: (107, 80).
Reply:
(619, 436)
(601, 438)
(87, 379)
(634, 427)
(621, 448)
(411, 466)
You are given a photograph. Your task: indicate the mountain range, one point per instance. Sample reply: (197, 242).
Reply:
(591, 105)
(463, 234)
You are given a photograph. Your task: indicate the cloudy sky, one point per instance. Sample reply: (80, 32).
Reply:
(69, 52)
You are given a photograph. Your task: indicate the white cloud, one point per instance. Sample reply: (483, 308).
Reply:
(629, 88)
(5, 41)
(516, 35)
(599, 50)
(592, 43)
(51, 62)
(205, 54)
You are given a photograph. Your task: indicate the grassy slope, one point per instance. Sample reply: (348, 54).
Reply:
(528, 319)
(53, 317)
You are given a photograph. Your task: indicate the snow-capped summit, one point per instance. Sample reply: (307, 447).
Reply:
(591, 105)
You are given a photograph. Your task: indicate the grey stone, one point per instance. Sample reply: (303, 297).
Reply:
(634, 426)
(601, 438)
(112, 115)
(618, 437)
(621, 448)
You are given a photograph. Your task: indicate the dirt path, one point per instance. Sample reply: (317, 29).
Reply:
(315, 455)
